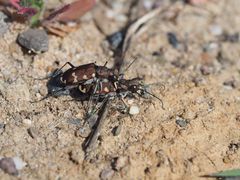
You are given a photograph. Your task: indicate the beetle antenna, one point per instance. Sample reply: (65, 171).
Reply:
(134, 59)
(156, 98)
(105, 64)
(45, 97)
(54, 74)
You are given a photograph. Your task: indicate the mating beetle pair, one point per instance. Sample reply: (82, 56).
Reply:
(61, 82)
(94, 81)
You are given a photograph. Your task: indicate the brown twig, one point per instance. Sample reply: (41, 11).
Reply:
(92, 139)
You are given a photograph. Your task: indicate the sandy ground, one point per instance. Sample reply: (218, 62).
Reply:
(202, 85)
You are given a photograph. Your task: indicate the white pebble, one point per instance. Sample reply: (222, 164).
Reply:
(19, 163)
(27, 121)
(216, 30)
(213, 46)
(148, 4)
(134, 110)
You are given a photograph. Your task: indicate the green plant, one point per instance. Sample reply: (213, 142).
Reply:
(226, 174)
(33, 9)
(30, 8)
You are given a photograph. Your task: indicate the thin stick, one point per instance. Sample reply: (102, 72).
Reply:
(92, 139)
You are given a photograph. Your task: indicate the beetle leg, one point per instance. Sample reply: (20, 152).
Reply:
(60, 70)
(91, 99)
(125, 105)
(105, 64)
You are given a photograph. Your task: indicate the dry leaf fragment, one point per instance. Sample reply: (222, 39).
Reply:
(71, 11)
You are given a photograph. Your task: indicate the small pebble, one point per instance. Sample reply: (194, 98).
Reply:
(107, 174)
(227, 160)
(83, 131)
(19, 163)
(134, 110)
(43, 90)
(172, 39)
(120, 162)
(32, 132)
(117, 130)
(212, 46)
(35, 40)
(27, 122)
(8, 166)
(115, 40)
(206, 70)
(3, 24)
(2, 128)
(181, 122)
(216, 30)
(148, 4)
(198, 81)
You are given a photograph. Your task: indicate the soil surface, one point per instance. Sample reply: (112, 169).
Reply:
(197, 133)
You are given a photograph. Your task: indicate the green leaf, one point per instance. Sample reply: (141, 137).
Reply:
(227, 173)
